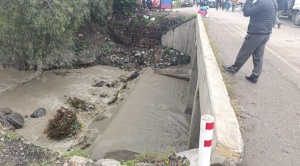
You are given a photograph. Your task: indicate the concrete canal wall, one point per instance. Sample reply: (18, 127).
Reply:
(207, 95)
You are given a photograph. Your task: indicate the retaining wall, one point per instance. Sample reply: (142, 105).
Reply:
(138, 34)
(207, 94)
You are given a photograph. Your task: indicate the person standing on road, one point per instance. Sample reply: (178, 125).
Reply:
(233, 5)
(198, 3)
(227, 5)
(218, 4)
(222, 4)
(204, 3)
(281, 8)
(262, 18)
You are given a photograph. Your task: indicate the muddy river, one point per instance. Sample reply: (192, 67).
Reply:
(150, 116)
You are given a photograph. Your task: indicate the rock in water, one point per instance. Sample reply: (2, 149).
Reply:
(134, 75)
(121, 155)
(38, 113)
(16, 120)
(5, 111)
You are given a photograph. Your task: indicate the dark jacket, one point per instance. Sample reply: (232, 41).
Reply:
(282, 4)
(262, 16)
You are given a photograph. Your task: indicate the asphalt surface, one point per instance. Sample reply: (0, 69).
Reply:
(270, 117)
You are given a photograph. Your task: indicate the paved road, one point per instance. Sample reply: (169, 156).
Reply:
(270, 118)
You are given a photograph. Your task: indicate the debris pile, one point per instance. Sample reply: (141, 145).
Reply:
(133, 58)
(80, 105)
(63, 125)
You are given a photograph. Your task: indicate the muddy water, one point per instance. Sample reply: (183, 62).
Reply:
(151, 118)
(24, 92)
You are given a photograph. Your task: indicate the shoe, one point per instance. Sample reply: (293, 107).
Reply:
(278, 25)
(251, 79)
(230, 69)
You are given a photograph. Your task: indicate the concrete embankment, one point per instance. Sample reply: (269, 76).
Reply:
(207, 94)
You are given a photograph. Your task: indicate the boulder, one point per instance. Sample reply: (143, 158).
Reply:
(121, 155)
(76, 160)
(108, 162)
(16, 120)
(5, 111)
(5, 123)
(38, 113)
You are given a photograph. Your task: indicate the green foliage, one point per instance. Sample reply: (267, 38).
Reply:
(164, 47)
(1, 145)
(35, 31)
(79, 45)
(99, 9)
(44, 163)
(177, 4)
(10, 135)
(186, 59)
(189, 17)
(107, 48)
(155, 156)
(167, 50)
(75, 152)
(36, 34)
(128, 7)
(129, 163)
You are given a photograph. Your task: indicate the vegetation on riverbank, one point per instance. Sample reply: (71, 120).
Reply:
(44, 34)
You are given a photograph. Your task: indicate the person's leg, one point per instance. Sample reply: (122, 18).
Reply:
(248, 47)
(250, 44)
(258, 57)
(277, 19)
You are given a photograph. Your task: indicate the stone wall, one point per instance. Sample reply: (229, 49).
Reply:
(131, 34)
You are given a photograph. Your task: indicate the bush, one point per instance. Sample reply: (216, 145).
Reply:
(177, 4)
(36, 34)
(98, 10)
